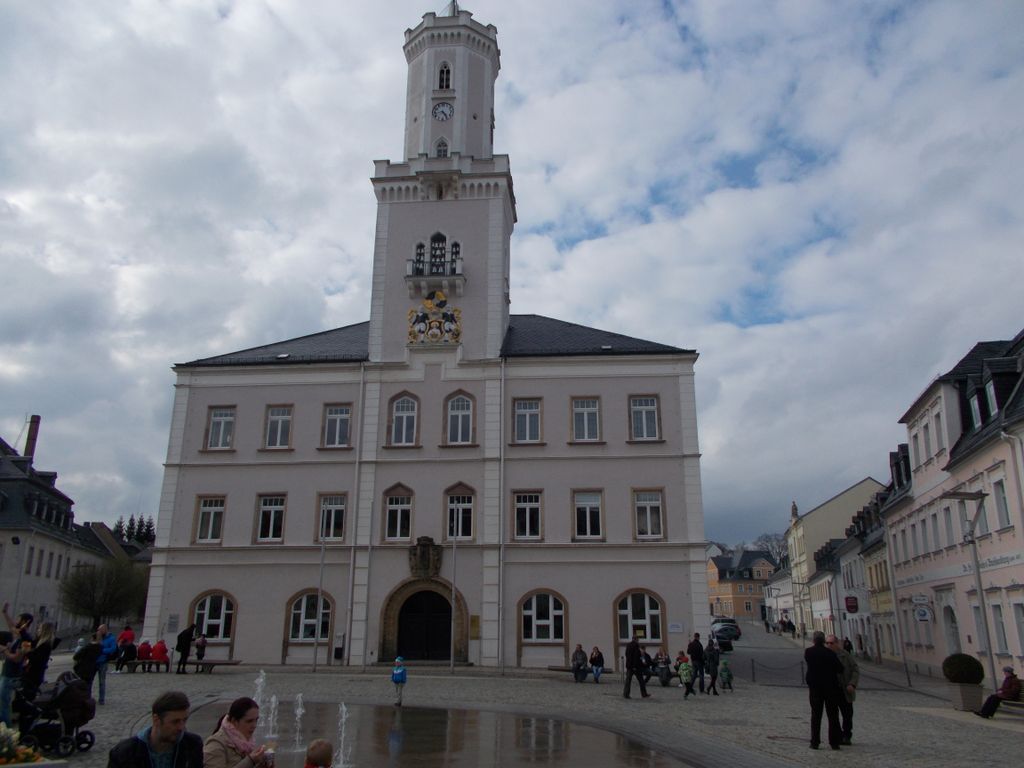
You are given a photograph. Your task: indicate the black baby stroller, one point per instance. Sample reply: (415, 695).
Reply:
(52, 719)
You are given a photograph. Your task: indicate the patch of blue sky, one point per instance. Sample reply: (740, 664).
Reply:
(755, 305)
(743, 171)
(694, 49)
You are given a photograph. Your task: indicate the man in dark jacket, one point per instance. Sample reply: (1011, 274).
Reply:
(184, 646)
(1008, 691)
(696, 653)
(824, 671)
(163, 744)
(848, 683)
(634, 668)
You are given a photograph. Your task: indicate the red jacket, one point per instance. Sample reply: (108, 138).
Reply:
(160, 651)
(1010, 689)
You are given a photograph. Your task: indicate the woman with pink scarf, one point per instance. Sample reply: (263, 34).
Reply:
(232, 745)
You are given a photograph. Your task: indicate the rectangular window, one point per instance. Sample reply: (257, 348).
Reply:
(332, 517)
(60, 562)
(399, 516)
(403, 422)
(1018, 619)
(527, 421)
(940, 441)
(586, 420)
(979, 628)
(460, 420)
(990, 396)
(644, 418)
(936, 544)
(903, 541)
(588, 515)
(924, 537)
(221, 429)
(211, 519)
(279, 426)
(915, 551)
(747, 606)
(926, 433)
(895, 549)
(975, 412)
(982, 527)
(965, 522)
(915, 449)
(39, 563)
(337, 426)
(271, 518)
(1002, 509)
(49, 565)
(947, 516)
(460, 516)
(999, 629)
(527, 506)
(647, 506)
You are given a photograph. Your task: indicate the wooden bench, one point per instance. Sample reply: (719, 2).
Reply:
(1012, 707)
(208, 665)
(145, 664)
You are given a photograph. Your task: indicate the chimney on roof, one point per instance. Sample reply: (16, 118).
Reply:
(33, 434)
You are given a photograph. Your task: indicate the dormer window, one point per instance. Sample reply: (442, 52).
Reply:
(444, 77)
(975, 411)
(441, 148)
(990, 395)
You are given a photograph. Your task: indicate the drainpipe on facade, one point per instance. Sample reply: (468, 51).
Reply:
(352, 548)
(896, 607)
(501, 519)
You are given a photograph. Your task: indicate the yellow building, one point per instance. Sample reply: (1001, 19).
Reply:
(736, 584)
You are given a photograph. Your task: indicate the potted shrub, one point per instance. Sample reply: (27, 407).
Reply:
(964, 673)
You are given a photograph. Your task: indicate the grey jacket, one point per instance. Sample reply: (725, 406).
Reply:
(850, 676)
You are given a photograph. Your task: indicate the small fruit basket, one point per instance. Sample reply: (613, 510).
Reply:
(12, 752)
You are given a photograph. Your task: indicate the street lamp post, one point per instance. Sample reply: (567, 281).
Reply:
(978, 497)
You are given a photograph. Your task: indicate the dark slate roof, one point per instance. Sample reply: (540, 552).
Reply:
(527, 336)
(726, 563)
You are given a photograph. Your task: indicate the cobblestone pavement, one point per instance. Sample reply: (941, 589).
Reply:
(757, 725)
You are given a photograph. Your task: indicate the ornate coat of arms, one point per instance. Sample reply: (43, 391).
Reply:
(435, 322)
(425, 558)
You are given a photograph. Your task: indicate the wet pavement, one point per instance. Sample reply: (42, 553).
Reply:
(756, 725)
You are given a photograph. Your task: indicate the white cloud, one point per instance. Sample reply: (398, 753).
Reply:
(822, 197)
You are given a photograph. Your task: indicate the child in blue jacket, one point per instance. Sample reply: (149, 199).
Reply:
(398, 677)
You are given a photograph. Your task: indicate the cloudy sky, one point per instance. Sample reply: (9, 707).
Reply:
(824, 199)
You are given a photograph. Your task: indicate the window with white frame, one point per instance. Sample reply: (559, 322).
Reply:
(543, 618)
(990, 396)
(1002, 509)
(913, 540)
(588, 514)
(644, 417)
(1018, 620)
(586, 422)
(310, 620)
(936, 543)
(979, 628)
(947, 516)
(460, 516)
(903, 541)
(999, 629)
(647, 507)
(460, 420)
(965, 522)
(924, 537)
(279, 426)
(271, 521)
(211, 519)
(640, 614)
(403, 421)
(940, 441)
(399, 517)
(337, 426)
(982, 527)
(527, 421)
(214, 616)
(221, 429)
(926, 434)
(527, 511)
(915, 449)
(975, 412)
(332, 517)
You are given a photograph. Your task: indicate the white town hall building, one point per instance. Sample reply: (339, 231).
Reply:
(445, 478)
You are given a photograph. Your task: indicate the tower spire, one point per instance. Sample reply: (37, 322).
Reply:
(452, 9)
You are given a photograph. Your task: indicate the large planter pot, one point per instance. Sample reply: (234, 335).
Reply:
(966, 696)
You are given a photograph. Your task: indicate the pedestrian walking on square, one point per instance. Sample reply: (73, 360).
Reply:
(398, 677)
(696, 653)
(634, 668)
(711, 658)
(184, 647)
(824, 671)
(685, 670)
(597, 663)
(848, 682)
(726, 675)
(108, 651)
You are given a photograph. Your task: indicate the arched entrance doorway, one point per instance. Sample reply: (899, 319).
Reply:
(425, 627)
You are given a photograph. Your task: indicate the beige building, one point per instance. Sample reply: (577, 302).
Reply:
(736, 584)
(967, 465)
(809, 532)
(446, 481)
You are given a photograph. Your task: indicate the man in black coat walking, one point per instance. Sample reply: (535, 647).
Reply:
(696, 653)
(634, 668)
(184, 647)
(824, 671)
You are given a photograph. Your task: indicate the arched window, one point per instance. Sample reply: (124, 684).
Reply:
(438, 253)
(639, 613)
(459, 418)
(214, 616)
(444, 77)
(397, 507)
(403, 420)
(543, 618)
(441, 148)
(310, 621)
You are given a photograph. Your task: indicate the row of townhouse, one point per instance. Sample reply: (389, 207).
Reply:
(933, 563)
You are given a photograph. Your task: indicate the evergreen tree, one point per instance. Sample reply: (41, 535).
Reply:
(148, 531)
(130, 532)
(119, 528)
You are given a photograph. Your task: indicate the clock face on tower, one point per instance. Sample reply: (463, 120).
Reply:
(442, 110)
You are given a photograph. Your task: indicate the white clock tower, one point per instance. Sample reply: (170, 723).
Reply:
(445, 215)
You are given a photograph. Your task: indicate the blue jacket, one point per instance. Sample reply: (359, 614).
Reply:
(108, 647)
(398, 675)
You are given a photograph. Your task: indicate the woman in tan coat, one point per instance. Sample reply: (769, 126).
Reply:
(232, 745)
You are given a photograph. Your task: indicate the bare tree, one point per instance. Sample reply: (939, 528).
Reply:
(773, 543)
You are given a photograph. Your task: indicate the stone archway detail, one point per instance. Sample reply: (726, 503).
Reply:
(393, 605)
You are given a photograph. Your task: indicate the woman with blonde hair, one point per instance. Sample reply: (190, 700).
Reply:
(37, 660)
(231, 745)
